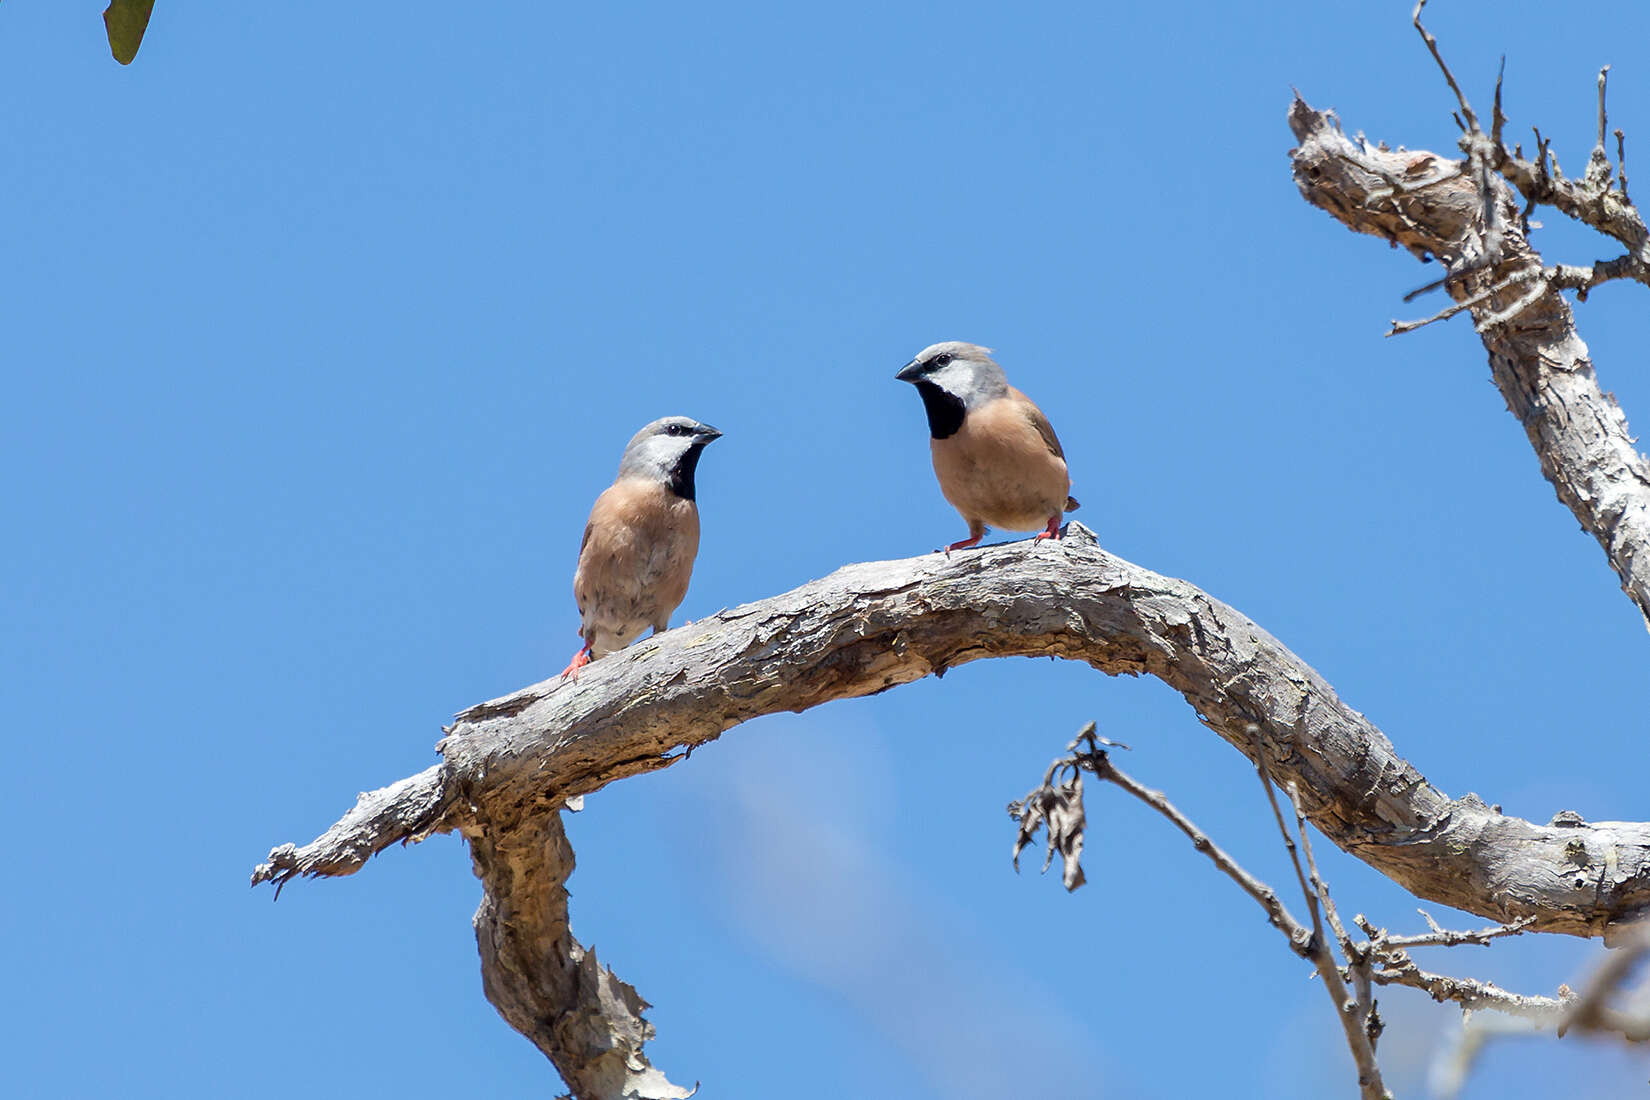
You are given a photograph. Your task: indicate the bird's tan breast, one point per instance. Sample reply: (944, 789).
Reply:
(1000, 469)
(636, 560)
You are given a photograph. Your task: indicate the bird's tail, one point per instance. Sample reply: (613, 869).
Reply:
(1072, 505)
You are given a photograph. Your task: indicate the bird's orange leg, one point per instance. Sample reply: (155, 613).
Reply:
(580, 659)
(1053, 531)
(964, 544)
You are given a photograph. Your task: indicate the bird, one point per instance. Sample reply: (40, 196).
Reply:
(997, 458)
(641, 539)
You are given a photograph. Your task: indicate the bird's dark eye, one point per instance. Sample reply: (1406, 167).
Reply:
(943, 360)
(677, 429)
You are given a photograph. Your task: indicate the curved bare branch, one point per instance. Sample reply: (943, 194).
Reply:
(872, 626)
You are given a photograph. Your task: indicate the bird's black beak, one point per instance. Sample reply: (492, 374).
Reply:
(708, 434)
(910, 372)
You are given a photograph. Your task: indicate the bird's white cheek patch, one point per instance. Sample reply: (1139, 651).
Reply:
(954, 378)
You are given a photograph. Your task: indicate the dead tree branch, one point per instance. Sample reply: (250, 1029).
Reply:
(1381, 959)
(1595, 199)
(1438, 206)
(1392, 965)
(870, 627)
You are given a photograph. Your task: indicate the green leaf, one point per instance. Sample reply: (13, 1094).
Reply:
(126, 20)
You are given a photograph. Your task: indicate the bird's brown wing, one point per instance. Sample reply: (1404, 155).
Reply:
(1040, 422)
(1046, 430)
(578, 580)
(635, 562)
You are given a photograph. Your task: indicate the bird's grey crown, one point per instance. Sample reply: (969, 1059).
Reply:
(964, 370)
(960, 349)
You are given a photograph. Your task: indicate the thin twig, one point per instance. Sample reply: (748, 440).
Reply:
(1540, 180)
(1428, 289)
(1432, 44)
(1621, 164)
(1444, 938)
(1299, 936)
(1497, 119)
(1357, 955)
(1319, 887)
(1582, 280)
(1353, 1011)
(1483, 324)
(1401, 327)
(1283, 830)
(1394, 966)
(1469, 992)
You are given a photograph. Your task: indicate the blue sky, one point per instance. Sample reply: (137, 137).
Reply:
(326, 323)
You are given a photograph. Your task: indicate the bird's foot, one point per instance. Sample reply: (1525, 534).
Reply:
(580, 659)
(1053, 531)
(963, 544)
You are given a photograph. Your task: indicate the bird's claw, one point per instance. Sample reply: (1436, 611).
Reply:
(580, 659)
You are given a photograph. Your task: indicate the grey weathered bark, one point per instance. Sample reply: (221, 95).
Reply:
(872, 626)
(544, 982)
(510, 764)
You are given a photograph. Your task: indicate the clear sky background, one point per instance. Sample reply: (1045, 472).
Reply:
(324, 324)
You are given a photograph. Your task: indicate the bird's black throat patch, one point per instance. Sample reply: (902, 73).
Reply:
(945, 410)
(679, 478)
